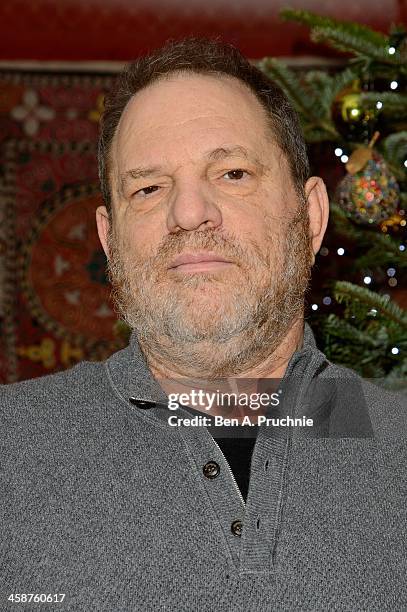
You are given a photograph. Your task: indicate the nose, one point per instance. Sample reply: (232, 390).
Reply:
(192, 209)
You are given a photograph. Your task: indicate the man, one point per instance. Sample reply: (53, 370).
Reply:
(112, 500)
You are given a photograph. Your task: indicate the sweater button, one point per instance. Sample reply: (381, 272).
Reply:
(211, 470)
(144, 404)
(237, 528)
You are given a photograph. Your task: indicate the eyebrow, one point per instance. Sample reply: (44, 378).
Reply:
(137, 173)
(217, 154)
(235, 151)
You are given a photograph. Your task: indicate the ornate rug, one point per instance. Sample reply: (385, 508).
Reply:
(55, 307)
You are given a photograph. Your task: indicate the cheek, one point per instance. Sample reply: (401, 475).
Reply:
(140, 236)
(254, 224)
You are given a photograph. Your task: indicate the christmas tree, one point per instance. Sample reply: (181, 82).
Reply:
(357, 116)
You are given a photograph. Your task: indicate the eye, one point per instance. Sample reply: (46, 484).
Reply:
(147, 190)
(236, 175)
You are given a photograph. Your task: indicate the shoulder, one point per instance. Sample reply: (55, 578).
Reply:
(387, 409)
(53, 393)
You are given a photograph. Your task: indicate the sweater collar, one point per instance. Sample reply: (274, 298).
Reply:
(132, 378)
(336, 401)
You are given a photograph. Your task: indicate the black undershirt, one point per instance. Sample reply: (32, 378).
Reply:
(238, 452)
(237, 449)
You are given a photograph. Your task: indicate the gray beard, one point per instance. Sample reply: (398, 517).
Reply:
(207, 323)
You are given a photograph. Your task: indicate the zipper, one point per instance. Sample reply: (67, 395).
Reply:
(186, 408)
(231, 473)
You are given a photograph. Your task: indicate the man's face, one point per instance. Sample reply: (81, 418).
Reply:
(196, 173)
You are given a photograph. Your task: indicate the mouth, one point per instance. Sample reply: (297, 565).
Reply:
(199, 262)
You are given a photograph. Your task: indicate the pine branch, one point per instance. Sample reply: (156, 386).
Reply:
(342, 224)
(346, 344)
(392, 103)
(314, 20)
(364, 344)
(314, 134)
(337, 27)
(387, 243)
(348, 292)
(381, 250)
(325, 88)
(344, 78)
(316, 124)
(382, 255)
(395, 147)
(345, 331)
(302, 98)
(349, 42)
(320, 83)
(347, 36)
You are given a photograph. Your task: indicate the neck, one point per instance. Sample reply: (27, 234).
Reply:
(176, 369)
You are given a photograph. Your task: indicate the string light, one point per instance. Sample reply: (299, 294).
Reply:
(341, 251)
(402, 247)
(314, 306)
(338, 152)
(393, 282)
(379, 105)
(327, 301)
(392, 50)
(373, 312)
(391, 271)
(395, 350)
(367, 280)
(394, 85)
(324, 251)
(344, 158)
(405, 163)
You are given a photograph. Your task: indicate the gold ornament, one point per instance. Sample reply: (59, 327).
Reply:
(352, 119)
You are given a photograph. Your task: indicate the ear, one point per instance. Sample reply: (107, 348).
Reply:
(318, 210)
(103, 225)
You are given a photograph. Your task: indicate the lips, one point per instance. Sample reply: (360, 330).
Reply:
(196, 258)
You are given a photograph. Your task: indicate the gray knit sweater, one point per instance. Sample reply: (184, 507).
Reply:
(107, 504)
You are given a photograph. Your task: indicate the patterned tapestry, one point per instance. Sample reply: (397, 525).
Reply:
(55, 307)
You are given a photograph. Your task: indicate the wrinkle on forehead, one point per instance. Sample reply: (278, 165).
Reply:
(207, 103)
(168, 94)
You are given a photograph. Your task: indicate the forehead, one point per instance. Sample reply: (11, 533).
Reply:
(190, 109)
